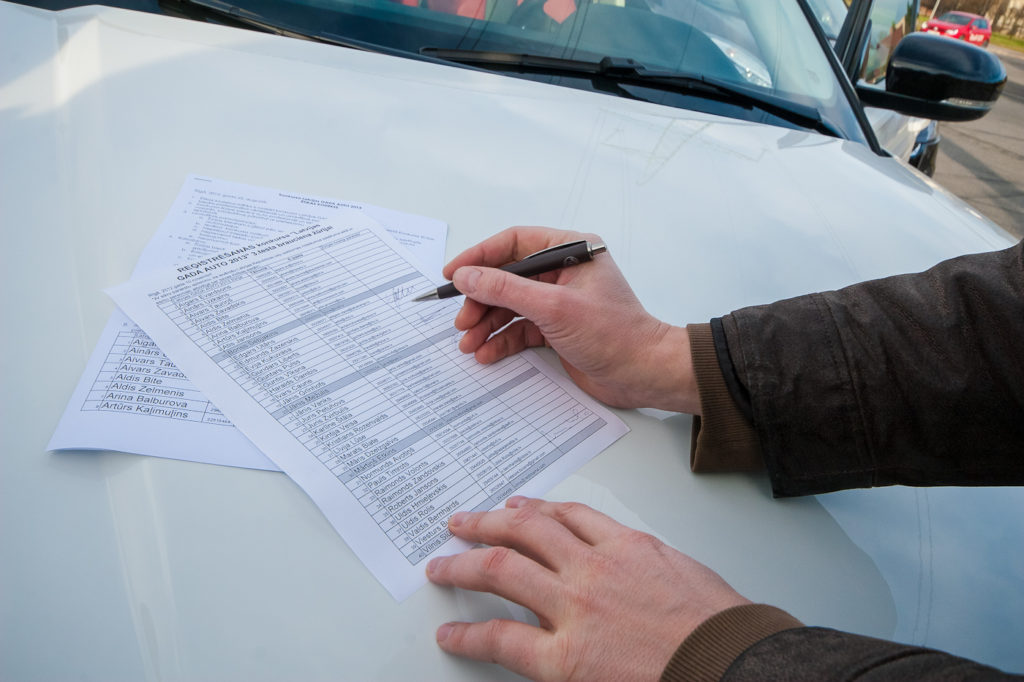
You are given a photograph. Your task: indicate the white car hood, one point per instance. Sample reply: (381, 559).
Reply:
(135, 102)
(135, 567)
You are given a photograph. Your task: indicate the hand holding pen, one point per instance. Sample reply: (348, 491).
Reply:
(617, 352)
(609, 344)
(547, 260)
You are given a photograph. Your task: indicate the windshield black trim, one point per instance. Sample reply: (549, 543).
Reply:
(243, 18)
(844, 81)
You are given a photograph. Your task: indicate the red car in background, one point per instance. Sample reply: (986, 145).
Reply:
(973, 28)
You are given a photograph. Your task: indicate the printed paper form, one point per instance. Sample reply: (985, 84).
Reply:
(130, 397)
(312, 347)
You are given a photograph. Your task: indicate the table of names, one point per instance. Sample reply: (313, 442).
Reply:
(384, 401)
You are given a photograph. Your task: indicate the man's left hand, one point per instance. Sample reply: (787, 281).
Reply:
(613, 603)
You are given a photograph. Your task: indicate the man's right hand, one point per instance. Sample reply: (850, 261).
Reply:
(609, 344)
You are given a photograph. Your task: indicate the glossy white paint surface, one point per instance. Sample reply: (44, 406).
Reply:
(115, 566)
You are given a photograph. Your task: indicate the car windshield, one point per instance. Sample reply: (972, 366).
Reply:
(759, 48)
(954, 18)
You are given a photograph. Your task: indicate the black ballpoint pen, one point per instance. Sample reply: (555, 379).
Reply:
(554, 258)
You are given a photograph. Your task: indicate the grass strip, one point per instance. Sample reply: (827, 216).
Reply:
(1008, 41)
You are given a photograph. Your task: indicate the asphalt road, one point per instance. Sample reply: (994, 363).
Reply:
(982, 161)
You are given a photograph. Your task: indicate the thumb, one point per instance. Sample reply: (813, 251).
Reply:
(536, 301)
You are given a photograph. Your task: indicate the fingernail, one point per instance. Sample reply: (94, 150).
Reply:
(444, 631)
(466, 278)
(456, 519)
(434, 565)
(515, 502)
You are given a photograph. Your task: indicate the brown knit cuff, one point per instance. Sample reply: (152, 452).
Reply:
(722, 438)
(710, 649)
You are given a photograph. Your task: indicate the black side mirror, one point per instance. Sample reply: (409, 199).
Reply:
(939, 78)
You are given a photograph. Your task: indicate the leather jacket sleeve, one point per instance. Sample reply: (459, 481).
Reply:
(914, 379)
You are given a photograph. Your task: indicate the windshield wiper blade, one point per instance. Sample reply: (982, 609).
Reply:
(622, 70)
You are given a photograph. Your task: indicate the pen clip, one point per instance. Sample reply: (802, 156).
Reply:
(556, 248)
